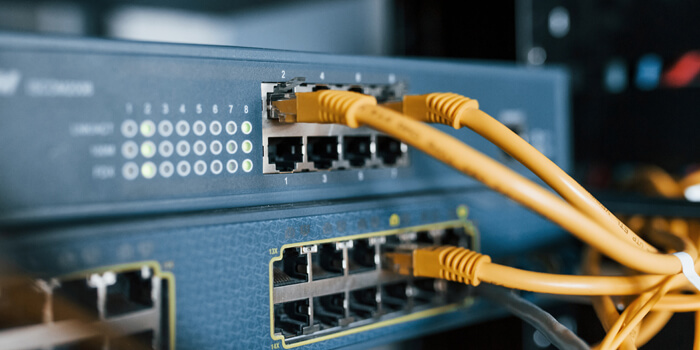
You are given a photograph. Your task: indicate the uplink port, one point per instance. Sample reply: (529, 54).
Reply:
(104, 298)
(356, 88)
(21, 304)
(363, 303)
(357, 150)
(363, 256)
(75, 300)
(322, 151)
(456, 236)
(395, 296)
(285, 152)
(389, 149)
(293, 268)
(293, 317)
(330, 310)
(131, 292)
(329, 260)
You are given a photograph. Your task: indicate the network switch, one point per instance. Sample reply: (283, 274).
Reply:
(123, 128)
(224, 264)
(129, 165)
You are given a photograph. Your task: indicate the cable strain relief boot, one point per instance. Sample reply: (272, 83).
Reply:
(450, 263)
(331, 106)
(441, 108)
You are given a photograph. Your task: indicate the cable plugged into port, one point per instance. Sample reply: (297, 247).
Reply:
(329, 287)
(291, 147)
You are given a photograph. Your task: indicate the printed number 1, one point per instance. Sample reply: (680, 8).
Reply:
(285, 181)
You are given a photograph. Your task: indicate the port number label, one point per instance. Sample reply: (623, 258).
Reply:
(182, 108)
(358, 77)
(230, 109)
(285, 181)
(360, 175)
(199, 108)
(324, 178)
(322, 76)
(245, 109)
(273, 251)
(146, 108)
(284, 75)
(274, 346)
(165, 108)
(215, 109)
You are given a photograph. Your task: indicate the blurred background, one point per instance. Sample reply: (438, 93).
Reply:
(634, 65)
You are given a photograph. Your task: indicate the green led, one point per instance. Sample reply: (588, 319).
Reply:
(148, 128)
(148, 149)
(231, 147)
(246, 127)
(148, 170)
(247, 146)
(247, 165)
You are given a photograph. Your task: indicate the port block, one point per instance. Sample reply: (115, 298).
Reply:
(303, 147)
(325, 288)
(136, 299)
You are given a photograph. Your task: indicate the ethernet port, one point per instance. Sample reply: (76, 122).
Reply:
(322, 151)
(320, 87)
(285, 152)
(293, 268)
(389, 149)
(330, 310)
(363, 303)
(75, 300)
(293, 318)
(363, 256)
(21, 304)
(455, 236)
(131, 292)
(357, 150)
(395, 296)
(429, 291)
(356, 88)
(328, 262)
(424, 237)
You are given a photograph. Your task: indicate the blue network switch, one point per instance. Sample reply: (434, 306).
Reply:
(147, 199)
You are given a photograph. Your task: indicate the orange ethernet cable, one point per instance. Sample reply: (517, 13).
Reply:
(354, 109)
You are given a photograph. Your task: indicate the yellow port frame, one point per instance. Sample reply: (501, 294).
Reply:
(135, 266)
(469, 229)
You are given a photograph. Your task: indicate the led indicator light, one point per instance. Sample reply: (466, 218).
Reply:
(231, 127)
(148, 170)
(215, 128)
(130, 171)
(165, 128)
(148, 128)
(199, 128)
(148, 149)
(231, 147)
(232, 166)
(247, 165)
(216, 167)
(129, 128)
(246, 127)
(247, 146)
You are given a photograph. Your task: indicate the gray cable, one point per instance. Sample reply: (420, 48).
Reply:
(558, 335)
